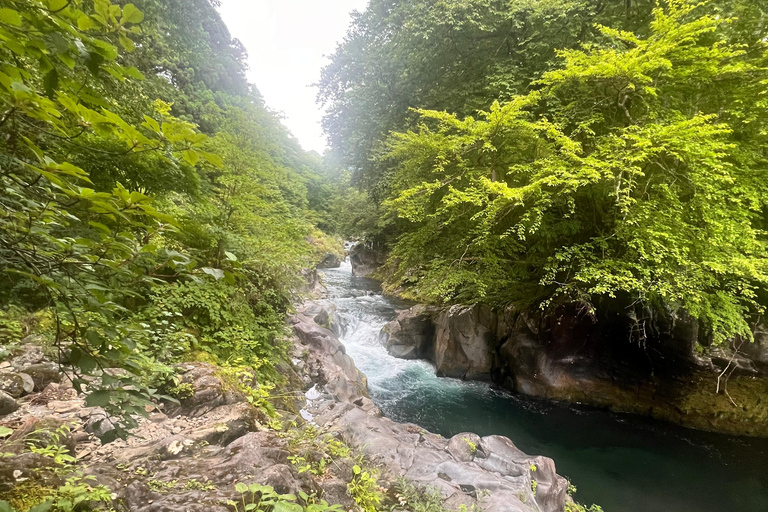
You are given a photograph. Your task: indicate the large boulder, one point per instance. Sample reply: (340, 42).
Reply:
(340, 376)
(42, 374)
(365, 260)
(411, 335)
(465, 340)
(7, 404)
(330, 260)
(489, 473)
(206, 387)
(12, 384)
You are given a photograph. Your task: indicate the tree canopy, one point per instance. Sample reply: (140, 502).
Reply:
(556, 151)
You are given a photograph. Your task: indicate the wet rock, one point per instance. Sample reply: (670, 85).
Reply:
(340, 375)
(325, 315)
(453, 466)
(12, 384)
(313, 285)
(411, 335)
(465, 339)
(330, 261)
(7, 404)
(365, 260)
(490, 473)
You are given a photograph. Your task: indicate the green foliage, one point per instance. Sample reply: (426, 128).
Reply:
(364, 489)
(245, 380)
(307, 442)
(416, 499)
(76, 494)
(604, 183)
(213, 316)
(84, 253)
(78, 491)
(575, 507)
(454, 55)
(151, 204)
(263, 498)
(11, 330)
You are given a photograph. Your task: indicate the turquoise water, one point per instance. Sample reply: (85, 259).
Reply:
(623, 463)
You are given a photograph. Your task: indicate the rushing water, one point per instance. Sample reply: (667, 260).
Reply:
(623, 463)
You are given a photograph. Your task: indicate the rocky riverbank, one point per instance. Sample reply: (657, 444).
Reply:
(198, 454)
(570, 357)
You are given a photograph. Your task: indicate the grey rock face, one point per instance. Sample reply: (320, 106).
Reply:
(460, 340)
(464, 446)
(330, 261)
(411, 335)
(29, 353)
(208, 390)
(42, 374)
(365, 261)
(340, 376)
(464, 342)
(29, 383)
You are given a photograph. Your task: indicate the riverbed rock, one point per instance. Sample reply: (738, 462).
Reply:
(29, 353)
(411, 334)
(12, 384)
(340, 376)
(565, 354)
(313, 286)
(451, 466)
(464, 446)
(42, 374)
(365, 260)
(7, 404)
(330, 260)
(465, 338)
(324, 314)
(490, 473)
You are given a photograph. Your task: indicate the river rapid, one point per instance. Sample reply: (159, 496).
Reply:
(623, 463)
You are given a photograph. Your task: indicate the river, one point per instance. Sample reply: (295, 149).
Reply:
(620, 462)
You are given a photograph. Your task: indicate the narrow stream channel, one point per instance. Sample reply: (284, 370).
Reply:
(623, 463)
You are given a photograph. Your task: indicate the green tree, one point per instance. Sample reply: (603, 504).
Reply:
(634, 173)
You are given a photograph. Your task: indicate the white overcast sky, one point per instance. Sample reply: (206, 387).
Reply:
(287, 43)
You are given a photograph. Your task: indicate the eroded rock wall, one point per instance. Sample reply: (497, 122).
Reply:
(647, 366)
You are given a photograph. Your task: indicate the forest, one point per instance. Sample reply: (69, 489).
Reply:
(577, 151)
(600, 154)
(153, 206)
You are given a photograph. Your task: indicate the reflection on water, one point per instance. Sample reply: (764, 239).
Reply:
(623, 463)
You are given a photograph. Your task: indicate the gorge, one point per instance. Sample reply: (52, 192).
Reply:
(554, 300)
(623, 462)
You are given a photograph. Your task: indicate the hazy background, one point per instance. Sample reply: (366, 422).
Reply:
(286, 42)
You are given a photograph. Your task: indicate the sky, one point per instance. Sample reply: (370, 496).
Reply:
(288, 42)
